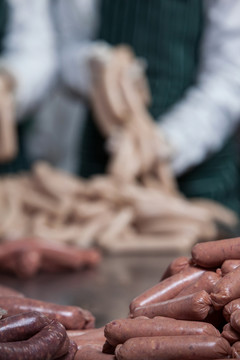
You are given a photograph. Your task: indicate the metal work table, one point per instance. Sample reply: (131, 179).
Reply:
(105, 291)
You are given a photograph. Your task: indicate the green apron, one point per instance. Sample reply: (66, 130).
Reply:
(167, 34)
(20, 162)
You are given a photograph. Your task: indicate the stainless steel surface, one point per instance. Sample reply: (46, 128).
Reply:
(105, 291)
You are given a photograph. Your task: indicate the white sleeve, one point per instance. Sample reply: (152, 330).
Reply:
(76, 24)
(30, 53)
(210, 111)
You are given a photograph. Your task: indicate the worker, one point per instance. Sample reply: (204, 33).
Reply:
(191, 48)
(27, 70)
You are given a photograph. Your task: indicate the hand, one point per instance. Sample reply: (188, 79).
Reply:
(8, 138)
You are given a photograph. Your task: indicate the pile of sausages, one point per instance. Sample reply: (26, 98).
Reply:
(25, 258)
(192, 313)
(33, 329)
(117, 216)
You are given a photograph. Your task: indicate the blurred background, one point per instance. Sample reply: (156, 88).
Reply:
(119, 131)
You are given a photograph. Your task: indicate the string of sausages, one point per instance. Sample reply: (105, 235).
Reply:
(34, 329)
(192, 313)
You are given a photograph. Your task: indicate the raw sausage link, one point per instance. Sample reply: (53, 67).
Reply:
(119, 331)
(236, 350)
(72, 317)
(71, 352)
(42, 346)
(6, 291)
(22, 326)
(173, 348)
(230, 308)
(176, 266)
(191, 307)
(206, 282)
(168, 288)
(235, 320)
(229, 265)
(230, 334)
(213, 253)
(226, 289)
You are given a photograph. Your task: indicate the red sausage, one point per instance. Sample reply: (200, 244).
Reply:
(87, 334)
(71, 352)
(22, 326)
(229, 265)
(213, 253)
(44, 345)
(119, 331)
(206, 282)
(72, 317)
(230, 308)
(168, 288)
(191, 307)
(173, 348)
(6, 291)
(226, 289)
(235, 320)
(236, 350)
(230, 334)
(176, 266)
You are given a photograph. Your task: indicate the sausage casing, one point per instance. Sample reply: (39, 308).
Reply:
(226, 289)
(191, 307)
(168, 288)
(173, 348)
(213, 253)
(119, 331)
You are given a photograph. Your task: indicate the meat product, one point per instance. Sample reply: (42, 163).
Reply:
(22, 326)
(206, 282)
(167, 289)
(213, 253)
(226, 289)
(119, 331)
(173, 348)
(191, 307)
(72, 317)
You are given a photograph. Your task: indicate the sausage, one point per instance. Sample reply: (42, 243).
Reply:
(226, 289)
(6, 291)
(22, 326)
(229, 265)
(235, 320)
(167, 289)
(63, 349)
(71, 352)
(176, 266)
(213, 253)
(236, 350)
(44, 345)
(230, 334)
(89, 320)
(230, 308)
(27, 263)
(72, 317)
(88, 353)
(191, 307)
(173, 348)
(119, 331)
(82, 336)
(206, 282)
(68, 256)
